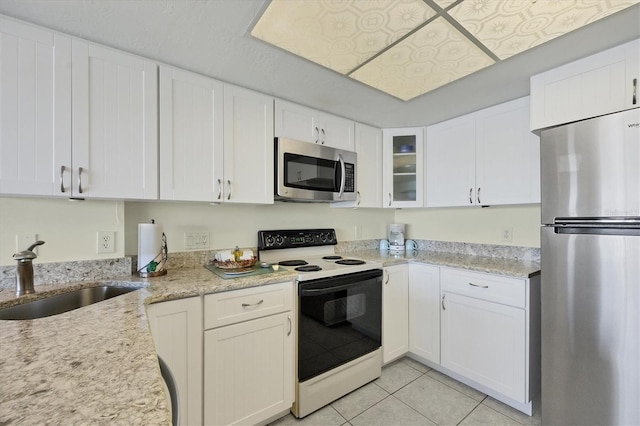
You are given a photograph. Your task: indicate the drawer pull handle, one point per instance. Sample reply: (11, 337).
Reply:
(246, 305)
(635, 91)
(80, 180)
(290, 325)
(443, 308)
(478, 285)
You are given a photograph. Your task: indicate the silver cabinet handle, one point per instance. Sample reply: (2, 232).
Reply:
(478, 285)
(317, 134)
(389, 199)
(246, 305)
(479, 196)
(80, 180)
(357, 198)
(443, 308)
(470, 195)
(323, 136)
(62, 168)
(229, 194)
(290, 325)
(219, 189)
(635, 91)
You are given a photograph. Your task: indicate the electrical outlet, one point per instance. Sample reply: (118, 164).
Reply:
(106, 242)
(23, 241)
(507, 234)
(196, 240)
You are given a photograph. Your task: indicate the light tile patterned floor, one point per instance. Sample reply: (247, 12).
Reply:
(409, 393)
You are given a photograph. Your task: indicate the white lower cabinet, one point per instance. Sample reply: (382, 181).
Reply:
(490, 333)
(248, 355)
(176, 327)
(395, 315)
(424, 311)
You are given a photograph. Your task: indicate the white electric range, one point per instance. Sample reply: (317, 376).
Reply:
(339, 314)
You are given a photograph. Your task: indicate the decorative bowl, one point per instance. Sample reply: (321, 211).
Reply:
(232, 264)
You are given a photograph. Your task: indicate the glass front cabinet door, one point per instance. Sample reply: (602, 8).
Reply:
(403, 160)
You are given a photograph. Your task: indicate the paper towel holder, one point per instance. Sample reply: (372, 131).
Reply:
(160, 260)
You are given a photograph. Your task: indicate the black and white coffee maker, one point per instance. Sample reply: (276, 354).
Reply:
(396, 237)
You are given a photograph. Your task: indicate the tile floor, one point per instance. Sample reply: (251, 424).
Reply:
(409, 393)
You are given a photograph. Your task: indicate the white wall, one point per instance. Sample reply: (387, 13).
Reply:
(68, 228)
(231, 225)
(474, 224)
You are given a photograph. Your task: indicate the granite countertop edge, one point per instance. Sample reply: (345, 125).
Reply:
(98, 363)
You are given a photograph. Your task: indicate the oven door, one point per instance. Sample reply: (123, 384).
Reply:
(339, 320)
(312, 172)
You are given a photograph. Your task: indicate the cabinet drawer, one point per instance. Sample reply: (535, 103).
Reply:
(241, 305)
(493, 288)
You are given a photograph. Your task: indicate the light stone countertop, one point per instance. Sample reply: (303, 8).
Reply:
(490, 265)
(97, 364)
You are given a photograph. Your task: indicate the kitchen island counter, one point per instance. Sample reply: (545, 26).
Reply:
(96, 364)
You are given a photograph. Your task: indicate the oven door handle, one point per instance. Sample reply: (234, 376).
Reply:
(317, 291)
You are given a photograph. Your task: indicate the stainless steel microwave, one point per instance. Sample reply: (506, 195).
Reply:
(312, 172)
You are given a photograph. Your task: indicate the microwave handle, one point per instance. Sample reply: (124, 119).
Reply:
(342, 175)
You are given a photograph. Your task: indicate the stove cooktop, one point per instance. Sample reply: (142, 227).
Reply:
(310, 251)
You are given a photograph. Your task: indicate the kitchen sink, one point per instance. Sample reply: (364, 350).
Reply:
(64, 302)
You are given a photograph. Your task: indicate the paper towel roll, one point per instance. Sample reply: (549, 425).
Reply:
(149, 243)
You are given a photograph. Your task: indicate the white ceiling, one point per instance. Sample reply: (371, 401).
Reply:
(211, 37)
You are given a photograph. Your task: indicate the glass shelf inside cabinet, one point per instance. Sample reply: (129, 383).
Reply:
(404, 168)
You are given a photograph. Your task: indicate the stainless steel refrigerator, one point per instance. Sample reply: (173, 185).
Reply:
(590, 252)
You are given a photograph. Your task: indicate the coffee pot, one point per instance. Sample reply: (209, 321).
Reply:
(395, 233)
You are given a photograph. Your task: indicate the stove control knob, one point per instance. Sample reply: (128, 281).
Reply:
(279, 240)
(323, 237)
(331, 237)
(269, 240)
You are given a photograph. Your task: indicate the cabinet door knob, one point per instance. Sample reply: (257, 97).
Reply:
(80, 180)
(246, 305)
(478, 285)
(229, 194)
(290, 325)
(62, 168)
(323, 136)
(357, 198)
(443, 308)
(389, 199)
(317, 134)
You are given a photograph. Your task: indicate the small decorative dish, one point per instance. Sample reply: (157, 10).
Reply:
(233, 265)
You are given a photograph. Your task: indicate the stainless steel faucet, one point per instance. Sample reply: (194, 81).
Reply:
(24, 271)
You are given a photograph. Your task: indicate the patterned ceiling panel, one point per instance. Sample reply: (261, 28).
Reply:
(339, 34)
(432, 57)
(365, 39)
(508, 27)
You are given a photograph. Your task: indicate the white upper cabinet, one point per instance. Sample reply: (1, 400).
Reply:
(450, 162)
(402, 167)
(216, 140)
(248, 146)
(598, 84)
(306, 124)
(191, 136)
(35, 110)
(114, 124)
(485, 158)
(507, 155)
(369, 168)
